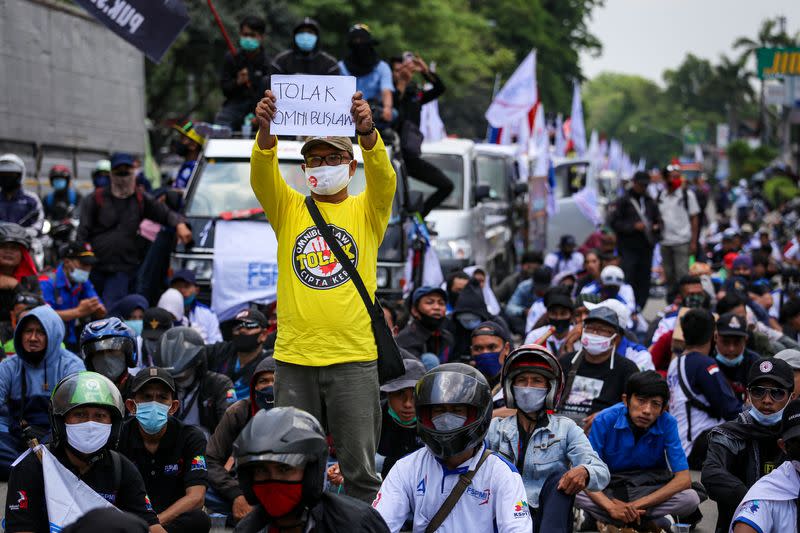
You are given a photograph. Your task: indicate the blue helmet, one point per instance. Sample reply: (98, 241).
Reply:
(108, 334)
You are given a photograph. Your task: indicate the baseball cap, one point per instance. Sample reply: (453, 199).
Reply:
(790, 421)
(81, 252)
(642, 177)
(340, 143)
(424, 291)
(730, 233)
(490, 327)
(414, 370)
(622, 311)
(185, 275)
(557, 297)
(612, 275)
(251, 318)
(790, 356)
(121, 158)
(152, 373)
(730, 324)
(777, 370)
(542, 277)
(566, 240)
(743, 261)
(605, 315)
(155, 322)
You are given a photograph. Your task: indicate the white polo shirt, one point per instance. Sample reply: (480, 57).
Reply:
(419, 484)
(770, 505)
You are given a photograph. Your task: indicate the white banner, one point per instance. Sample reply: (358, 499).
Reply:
(517, 96)
(313, 105)
(245, 265)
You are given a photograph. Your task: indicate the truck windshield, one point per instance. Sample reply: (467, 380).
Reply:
(492, 171)
(223, 186)
(453, 167)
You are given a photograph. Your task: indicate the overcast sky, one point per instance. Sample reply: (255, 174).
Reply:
(645, 37)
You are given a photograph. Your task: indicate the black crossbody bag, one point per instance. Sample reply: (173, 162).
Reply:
(390, 362)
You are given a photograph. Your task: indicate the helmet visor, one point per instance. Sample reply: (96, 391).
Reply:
(116, 344)
(449, 388)
(291, 459)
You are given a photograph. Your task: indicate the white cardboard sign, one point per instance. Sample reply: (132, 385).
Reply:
(313, 105)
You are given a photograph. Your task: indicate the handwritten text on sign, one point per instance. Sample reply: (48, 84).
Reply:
(313, 105)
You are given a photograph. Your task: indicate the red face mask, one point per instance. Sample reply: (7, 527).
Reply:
(279, 498)
(676, 183)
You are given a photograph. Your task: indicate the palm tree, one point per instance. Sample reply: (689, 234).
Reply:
(732, 81)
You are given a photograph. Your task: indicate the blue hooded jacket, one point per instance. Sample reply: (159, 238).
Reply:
(40, 381)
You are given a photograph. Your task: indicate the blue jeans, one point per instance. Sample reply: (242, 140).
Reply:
(554, 514)
(111, 286)
(151, 280)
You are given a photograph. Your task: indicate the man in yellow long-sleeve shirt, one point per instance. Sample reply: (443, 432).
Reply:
(325, 350)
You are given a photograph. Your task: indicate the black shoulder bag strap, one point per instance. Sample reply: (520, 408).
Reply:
(464, 481)
(390, 362)
(116, 462)
(691, 399)
(573, 371)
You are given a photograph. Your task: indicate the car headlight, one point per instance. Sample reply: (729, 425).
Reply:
(202, 268)
(454, 249)
(382, 277)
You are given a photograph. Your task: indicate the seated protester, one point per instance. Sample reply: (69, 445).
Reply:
(551, 453)
(733, 357)
(203, 395)
(758, 340)
(790, 319)
(23, 302)
(591, 270)
(529, 262)
(596, 377)
(526, 305)
(454, 409)
(793, 358)
(491, 344)
(638, 440)
(108, 520)
(86, 415)
(690, 294)
(156, 322)
(612, 285)
(239, 357)
(760, 300)
(456, 281)
(627, 348)
(468, 313)
(17, 269)
(771, 503)
(558, 320)
(200, 316)
(566, 257)
(566, 280)
(225, 495)
(169, 455)
(743, 450)
(130, 310)
(172, 300)
(700, 396)
(305, 56)
(280, 462)
(108, 347)
(426, 332)
(27, 380)
(484, 279)
(69, 291)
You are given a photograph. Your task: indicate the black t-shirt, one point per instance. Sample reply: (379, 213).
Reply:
(396, 441)
(595, 386)
(179, 461)
(26, 509)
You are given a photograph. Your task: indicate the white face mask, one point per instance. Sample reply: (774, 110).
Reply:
(448, 421)
(530, 399)
(596, 344)
(327, 180)
(88, 437)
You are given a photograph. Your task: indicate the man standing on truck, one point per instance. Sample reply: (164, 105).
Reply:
(325, 350)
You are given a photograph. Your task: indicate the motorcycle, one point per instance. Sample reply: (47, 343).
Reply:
(56, 234)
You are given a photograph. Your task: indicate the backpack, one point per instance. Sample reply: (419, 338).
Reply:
(685, 198)
(100, 199)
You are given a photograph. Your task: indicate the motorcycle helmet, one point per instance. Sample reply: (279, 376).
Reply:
(453, 384)
(12, 169)
(60, 171)
(181, 354)
(284, 435)
(10, 232)
(101, 175)
(533, 358)
(84, 388)
(108, 334)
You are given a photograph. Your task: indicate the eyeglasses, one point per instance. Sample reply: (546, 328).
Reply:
(777, 395)
(330, 159)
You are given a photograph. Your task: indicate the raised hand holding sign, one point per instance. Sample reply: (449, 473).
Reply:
(313, 105)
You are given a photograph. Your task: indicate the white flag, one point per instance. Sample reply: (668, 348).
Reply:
(539, 134)
(577, 129)
(68, 498)
(517, 96)
(561, 142)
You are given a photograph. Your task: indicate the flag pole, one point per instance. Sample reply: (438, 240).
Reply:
(225, 36)
(494, 93)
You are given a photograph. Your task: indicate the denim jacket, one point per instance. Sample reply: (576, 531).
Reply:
(556, 447)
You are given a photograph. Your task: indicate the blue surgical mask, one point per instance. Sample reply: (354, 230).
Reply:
(265, 398)
(59, 184)
(766, 420)
(724, 361)
(488, 363)
(189, 300)
(152, 416)
(249, 44)
(79, 276)
(136, 326)
(305, 41)
(530, 399)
